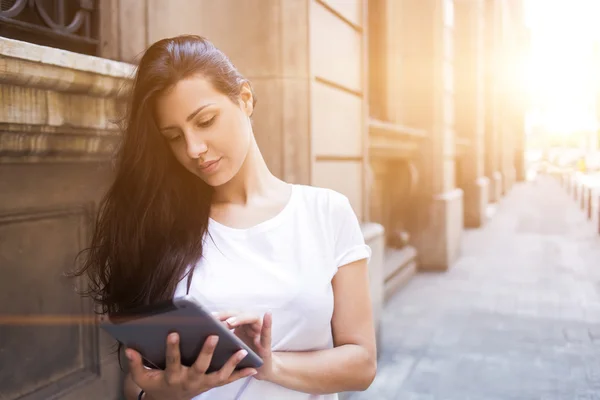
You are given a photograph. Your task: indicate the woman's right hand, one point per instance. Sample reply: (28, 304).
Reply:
(178, 382)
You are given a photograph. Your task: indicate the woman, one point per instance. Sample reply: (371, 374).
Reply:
(194, 209)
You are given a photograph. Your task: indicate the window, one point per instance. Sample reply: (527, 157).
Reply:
(65, 24)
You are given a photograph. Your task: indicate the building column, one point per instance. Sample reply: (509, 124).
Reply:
(507, 92)
(519, 44)
(439, 213)
(469, 107)
(492, 133)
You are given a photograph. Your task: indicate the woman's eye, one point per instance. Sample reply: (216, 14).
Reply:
(174, 138)
(207, 123)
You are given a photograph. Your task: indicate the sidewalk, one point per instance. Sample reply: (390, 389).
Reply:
(517, 317)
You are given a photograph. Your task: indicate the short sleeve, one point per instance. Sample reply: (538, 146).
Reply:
(349, 241)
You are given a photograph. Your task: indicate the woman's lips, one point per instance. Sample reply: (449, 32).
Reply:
(209, 166)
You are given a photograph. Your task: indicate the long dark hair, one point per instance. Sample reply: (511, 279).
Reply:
(152, 221)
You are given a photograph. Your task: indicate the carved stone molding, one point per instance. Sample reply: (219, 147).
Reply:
(27, 64)
(58, 106)
(36, 143)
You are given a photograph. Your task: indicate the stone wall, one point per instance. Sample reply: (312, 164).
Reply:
(56, 137)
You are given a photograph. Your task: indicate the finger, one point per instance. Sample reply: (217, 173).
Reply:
(235, 319)
(256, 341)
(223, 315)
(225, 372)
(265, 335)
(244, 319)
(255, 328)
(204, 358)
(173, 358)
(248, 330)
(136, 368)
(242, 373)
(245, 336)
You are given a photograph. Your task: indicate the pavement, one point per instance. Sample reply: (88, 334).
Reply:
(516, 317)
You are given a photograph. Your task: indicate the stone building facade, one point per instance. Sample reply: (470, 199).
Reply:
(404, 106)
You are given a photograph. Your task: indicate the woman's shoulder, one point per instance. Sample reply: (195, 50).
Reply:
(322, 199)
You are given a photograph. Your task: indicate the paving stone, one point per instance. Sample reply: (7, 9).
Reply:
(516, 318)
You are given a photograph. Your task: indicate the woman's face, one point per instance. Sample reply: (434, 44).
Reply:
(208, 134)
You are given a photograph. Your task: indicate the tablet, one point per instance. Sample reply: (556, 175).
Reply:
(146, 329)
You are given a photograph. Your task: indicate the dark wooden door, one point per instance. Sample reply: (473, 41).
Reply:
(50, 347)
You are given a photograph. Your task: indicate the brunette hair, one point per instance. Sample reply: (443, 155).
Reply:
(152, 221)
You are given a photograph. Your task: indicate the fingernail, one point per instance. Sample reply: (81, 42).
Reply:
(254, 372)
(243, 354)
(214, 340)
(129, 355)
(173, 338)
(231, 320)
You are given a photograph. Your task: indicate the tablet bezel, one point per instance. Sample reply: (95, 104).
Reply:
(145, 330)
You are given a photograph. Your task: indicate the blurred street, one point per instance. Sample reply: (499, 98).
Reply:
(517, 317)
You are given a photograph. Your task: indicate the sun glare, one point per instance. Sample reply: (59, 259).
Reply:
(562, 64)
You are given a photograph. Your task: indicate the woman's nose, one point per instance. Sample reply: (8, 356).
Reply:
(196, 148)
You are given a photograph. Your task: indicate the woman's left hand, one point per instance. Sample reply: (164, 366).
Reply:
(256, 333)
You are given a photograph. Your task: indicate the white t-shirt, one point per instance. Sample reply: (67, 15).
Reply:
(284, 265)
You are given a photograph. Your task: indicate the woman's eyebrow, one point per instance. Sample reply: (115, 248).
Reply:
(189, 117)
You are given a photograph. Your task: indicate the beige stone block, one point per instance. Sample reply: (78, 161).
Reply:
(342, 176)
(349, 9)
(25, 64)
(495, 187)
(79, 110)
(281, 127)
(295, 46)
(449, 174)
(178, 17)
(375, 238)
(476, 201)
(336, 122)
(438, 243)
(247, 31)
(46, 76)
(267, 122)
(133, 26)
(25, 187)
(448, 109)
(400, 265)
(108, 29)
(336, 49)
(23, 105)
(296, 131)
(19, 50)
(509, 177)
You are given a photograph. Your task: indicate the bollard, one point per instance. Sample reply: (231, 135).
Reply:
(583, 196)
(589, 203)
(571, 185)
(598, 214)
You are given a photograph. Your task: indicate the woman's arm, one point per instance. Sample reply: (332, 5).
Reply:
(351, 365)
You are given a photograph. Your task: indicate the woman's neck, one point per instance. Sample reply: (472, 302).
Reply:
(253, 180)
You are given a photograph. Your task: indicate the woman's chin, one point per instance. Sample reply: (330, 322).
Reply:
(215, 180)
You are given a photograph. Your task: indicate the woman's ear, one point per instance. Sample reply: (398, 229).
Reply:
(247, 99)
